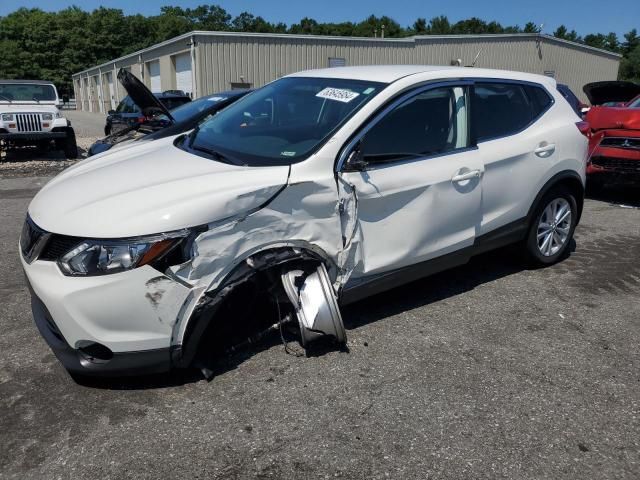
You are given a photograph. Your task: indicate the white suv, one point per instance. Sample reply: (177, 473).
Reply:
(29, 116)
(316, 190)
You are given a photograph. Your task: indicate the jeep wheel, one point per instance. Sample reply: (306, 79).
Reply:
(70, 147)
(552, 227)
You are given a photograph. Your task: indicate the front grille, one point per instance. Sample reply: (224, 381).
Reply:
(621, 142)
(32, 240)
(57, 246)
(618, 164)
(28, 122)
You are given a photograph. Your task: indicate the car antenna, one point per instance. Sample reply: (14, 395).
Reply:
(476, 59)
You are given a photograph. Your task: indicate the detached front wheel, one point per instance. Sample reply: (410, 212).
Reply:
(552, 228)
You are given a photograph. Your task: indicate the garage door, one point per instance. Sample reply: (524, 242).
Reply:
(111, 101)
(154, 76)
(183, 73)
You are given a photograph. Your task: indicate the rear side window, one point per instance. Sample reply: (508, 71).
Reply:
(540, 100)
(502, 109)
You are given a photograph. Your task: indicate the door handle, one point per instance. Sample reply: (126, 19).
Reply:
(461, 177)
(544, 151)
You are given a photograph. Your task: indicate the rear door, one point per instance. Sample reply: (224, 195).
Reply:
(516, 144)
(419, 193)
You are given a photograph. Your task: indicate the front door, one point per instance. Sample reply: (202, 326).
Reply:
(417, 180)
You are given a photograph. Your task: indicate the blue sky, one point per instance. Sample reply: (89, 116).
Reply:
(585, 16)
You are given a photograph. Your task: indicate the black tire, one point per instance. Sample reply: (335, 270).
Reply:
(107, 130)
(533, 253)
(70, 146)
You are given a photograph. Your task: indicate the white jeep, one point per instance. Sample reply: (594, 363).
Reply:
(29, 116)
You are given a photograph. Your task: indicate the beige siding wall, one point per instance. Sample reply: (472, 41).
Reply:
(223, 59)
(258, 60)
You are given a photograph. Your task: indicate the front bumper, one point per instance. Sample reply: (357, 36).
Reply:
(615, 164)
(32, 136)
(75, 361)
(131, 313)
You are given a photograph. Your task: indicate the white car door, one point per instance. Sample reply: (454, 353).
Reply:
(417, 180)
(517, 149)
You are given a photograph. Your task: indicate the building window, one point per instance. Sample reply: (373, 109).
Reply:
(337, 62)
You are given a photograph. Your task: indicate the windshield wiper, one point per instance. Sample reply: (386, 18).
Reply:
(214, 154)
(6, 98)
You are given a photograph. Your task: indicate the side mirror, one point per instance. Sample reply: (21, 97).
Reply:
(111, 112)
(355, 160)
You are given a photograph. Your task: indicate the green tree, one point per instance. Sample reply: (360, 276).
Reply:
(439, 26)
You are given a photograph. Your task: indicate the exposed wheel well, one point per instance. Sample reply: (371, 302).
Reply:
(244, 301)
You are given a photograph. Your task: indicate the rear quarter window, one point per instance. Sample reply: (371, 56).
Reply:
(503, 109)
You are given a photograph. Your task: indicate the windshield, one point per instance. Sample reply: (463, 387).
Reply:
(282, 122)
(27, 92)
(191, 109)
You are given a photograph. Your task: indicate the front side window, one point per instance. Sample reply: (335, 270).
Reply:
(502, 109)
(281, 123)
(430, 123)
(635, 103)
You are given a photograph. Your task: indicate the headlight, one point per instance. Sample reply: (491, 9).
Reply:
(47, 116)
(100, 257)
(7, 117)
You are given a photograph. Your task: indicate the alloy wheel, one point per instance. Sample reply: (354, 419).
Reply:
(554, 227)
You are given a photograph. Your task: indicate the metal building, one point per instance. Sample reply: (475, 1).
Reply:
(202, 63)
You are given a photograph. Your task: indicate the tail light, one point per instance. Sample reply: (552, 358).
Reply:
(141, 119)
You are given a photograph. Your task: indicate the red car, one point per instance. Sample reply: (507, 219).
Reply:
(614, 120)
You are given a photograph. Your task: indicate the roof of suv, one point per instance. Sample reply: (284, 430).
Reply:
(38, 82)
(391, 73)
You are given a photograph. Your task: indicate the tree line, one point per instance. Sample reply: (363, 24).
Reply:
(52, 45)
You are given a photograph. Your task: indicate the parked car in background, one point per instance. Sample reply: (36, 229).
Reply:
(573, 100)
(615, 133)
(29, 116)
(178, 120)
(321, 187)
(138, 107)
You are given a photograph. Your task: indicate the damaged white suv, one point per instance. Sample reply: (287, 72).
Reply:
(316, 190)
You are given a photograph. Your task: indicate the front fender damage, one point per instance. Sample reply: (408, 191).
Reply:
(308, 223)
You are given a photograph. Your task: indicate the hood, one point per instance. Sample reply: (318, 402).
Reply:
(603, 92)
(141, 95)
(150, 188)
(27, 108)
(602, 118)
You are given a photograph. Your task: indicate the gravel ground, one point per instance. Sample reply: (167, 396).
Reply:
(28, 162)
(486, 371)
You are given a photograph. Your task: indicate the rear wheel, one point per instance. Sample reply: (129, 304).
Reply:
(552, 228)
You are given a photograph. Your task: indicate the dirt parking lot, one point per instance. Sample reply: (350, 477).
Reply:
(486, 371)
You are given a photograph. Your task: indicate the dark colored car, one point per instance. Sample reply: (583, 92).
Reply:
(128, 113)
(615, 125)
(165, 124)
(571, 97)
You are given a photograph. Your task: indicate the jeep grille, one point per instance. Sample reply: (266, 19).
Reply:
(28, 122)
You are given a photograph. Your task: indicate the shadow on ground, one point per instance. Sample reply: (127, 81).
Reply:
(617, 195)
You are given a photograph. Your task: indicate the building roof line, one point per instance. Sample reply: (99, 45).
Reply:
(408, 40)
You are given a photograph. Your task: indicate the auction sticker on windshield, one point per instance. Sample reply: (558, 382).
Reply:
(338, 94)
